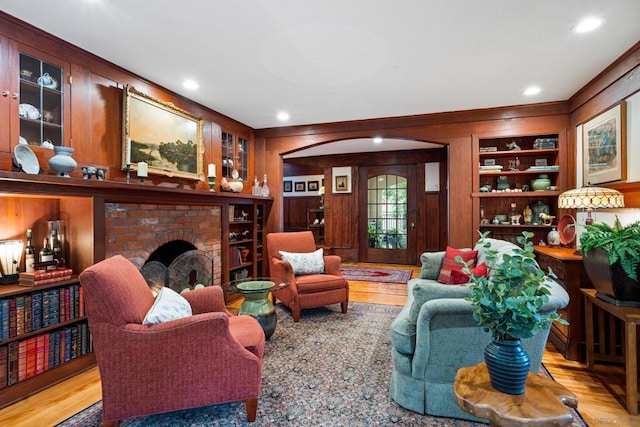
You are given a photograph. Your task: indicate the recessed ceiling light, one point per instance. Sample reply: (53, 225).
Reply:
(532, 90)
(377, 140)
(587, 24)
(190, 84)
(283, 116)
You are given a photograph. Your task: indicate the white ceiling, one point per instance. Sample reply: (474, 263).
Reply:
(340, 60)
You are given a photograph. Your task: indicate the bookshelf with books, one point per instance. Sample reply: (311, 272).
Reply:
(242, 238)
(44, 337)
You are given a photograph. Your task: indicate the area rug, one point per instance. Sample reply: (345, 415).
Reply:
(368, 274)
(340, 378)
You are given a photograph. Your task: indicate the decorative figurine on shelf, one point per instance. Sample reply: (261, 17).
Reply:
(513, 146)
(513, 215)
(546, 218)
(528, 215)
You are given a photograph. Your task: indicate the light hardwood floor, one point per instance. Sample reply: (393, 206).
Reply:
(596, 403)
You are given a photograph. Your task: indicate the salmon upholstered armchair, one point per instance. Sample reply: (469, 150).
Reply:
(307, 289)
(205, 358)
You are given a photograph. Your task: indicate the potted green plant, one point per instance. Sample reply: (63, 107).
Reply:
(611, 257)
(507, 303)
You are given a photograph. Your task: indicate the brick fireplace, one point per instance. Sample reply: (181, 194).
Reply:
(135, 231)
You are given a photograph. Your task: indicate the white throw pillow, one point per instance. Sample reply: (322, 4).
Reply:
(305, 263)
(169, 305)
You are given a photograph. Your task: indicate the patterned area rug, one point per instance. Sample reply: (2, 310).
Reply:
(385, 275)
(340, 378)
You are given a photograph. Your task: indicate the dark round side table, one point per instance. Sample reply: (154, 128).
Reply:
(256, 302)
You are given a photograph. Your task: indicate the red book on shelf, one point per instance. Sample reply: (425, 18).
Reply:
(81, 302)
(40, 354)
(31, 356)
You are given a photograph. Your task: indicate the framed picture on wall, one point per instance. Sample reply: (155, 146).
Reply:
(341, 184)
(604, 147)
(287, 186)
(164, 136)
(312, 186)
(301, 187)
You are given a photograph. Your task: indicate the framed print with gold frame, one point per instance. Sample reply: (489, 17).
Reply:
(604, 147)
(341, 184)
(164, 136)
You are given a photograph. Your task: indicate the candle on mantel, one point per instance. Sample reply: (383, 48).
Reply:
(212, 170)
(143, 169)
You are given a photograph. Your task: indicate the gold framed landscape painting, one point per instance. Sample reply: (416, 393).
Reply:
(164, 136)
(604, 147)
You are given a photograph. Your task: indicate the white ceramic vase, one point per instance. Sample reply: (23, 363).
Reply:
(62, 163)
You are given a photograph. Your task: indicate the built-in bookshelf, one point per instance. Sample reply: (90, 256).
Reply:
(44, 337)
(243, 240)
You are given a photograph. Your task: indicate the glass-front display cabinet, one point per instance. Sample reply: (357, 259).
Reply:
(41, 106)
(235, 156)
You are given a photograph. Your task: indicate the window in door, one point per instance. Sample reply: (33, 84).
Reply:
(387, 212)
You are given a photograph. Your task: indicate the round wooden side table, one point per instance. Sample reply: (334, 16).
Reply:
(544, 402)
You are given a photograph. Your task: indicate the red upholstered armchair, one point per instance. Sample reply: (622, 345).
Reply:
(310, 290)
(208, 358)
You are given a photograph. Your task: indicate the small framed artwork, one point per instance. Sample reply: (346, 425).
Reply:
(604, 147)
(312, 186)
(301, 187)
(341, 183)
(287, 186)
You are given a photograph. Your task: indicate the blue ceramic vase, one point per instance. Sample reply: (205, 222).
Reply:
(508, 365)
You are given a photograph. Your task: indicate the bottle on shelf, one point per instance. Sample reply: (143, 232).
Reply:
(56, 248)
(46, 254)
(30, 254)
(265, 187)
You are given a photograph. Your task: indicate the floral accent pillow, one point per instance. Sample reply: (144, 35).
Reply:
(169, 305)
(449, 264)
(306, 262)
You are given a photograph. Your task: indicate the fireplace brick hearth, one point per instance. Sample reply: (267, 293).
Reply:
(136, 230)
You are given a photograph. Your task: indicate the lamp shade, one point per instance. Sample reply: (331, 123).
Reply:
(10, 255)
(591, 198)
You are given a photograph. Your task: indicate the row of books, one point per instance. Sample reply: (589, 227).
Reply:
(235, 256)
(43, 277)
(26, 313)
(21, 360)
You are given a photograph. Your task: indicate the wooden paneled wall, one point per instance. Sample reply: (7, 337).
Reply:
(453, 131)
(96, 106)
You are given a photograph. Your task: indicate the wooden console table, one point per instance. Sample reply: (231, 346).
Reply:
(567, 265)
(631, 318)
(544, 402)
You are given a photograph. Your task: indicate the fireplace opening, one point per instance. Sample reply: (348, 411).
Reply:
(179, 265)
(169, 251)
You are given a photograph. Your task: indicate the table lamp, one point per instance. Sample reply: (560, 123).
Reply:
(10, 255)
(591, 198)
